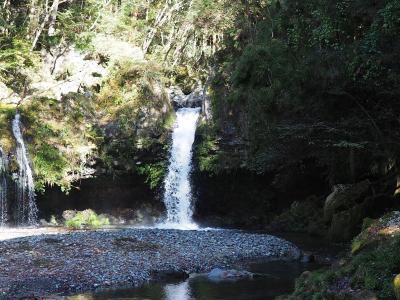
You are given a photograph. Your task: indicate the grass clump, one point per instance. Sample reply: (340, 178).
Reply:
(87, 219)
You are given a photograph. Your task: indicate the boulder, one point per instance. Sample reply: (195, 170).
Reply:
(179, 99)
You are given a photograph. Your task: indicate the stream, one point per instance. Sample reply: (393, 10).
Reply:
(275, 278)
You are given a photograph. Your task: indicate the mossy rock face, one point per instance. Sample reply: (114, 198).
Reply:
(344, 197)
(345, 224)
(7, 112)
(302, 216)
(368, 273)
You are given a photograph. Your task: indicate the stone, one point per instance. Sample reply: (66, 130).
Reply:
(308, 258)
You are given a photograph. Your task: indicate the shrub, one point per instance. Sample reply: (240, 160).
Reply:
(87, 219)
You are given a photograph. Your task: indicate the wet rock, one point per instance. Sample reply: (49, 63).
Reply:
(308, 258)
(179, 99)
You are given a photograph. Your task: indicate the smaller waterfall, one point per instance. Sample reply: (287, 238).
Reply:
(3, 188)
(178, 196)
(25, 194)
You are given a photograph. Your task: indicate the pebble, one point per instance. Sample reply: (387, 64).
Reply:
(84, 261)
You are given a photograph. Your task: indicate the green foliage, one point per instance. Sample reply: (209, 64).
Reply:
(15, 59)
(302, 79)
(134, 103)
(87, 219)
(61, 142)
(154, 173)
(208, 154)
(50, 165)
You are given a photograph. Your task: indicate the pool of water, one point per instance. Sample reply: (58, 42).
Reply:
(274, 279)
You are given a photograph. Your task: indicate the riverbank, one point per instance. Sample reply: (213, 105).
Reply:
(77, 262)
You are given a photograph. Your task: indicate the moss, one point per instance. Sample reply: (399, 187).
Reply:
(313, 285)
(87, 219)
(61, 139)
(372, 266)
(207, 151)
(50, 165)
(396, 285)
(7, 113)
(373, 269)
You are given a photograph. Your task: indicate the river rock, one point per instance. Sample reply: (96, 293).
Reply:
(76, 261)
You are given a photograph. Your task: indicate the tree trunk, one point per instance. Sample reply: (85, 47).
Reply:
(53, 18)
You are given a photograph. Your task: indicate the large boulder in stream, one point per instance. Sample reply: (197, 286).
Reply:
(221, 275)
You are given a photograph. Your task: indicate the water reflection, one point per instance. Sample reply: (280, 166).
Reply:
(275, 279)
(179, 291)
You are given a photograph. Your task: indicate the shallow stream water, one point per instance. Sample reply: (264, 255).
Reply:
(274, 279)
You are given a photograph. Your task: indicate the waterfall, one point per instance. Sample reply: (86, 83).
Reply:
(177, 197)
(3, 188)
(25, 194)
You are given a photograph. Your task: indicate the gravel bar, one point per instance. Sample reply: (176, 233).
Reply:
(79, 262)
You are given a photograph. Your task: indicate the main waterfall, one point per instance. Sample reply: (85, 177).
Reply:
(25, 193)
(178, 196)
(3, 188)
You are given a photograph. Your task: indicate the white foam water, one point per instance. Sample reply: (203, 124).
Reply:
(3, 188)
(177, 194)
(25, 194)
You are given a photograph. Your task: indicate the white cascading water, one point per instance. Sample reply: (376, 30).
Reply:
(178, 196)
(25, 193)
(3, 188)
